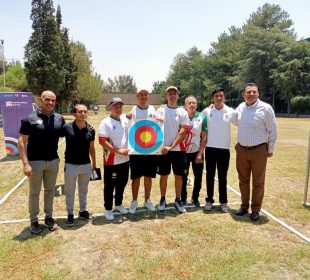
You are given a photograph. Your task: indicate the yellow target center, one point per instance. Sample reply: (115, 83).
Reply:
(145, 137)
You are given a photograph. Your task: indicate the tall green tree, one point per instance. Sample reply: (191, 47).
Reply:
(121, 84)
(266, 34)
(189, 72)
(89, 85)
(292, 76)
(223, 61)
(48, 62)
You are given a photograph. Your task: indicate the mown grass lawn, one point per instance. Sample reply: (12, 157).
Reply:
(194, 245)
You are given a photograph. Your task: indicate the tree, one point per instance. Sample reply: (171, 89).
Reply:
(121, 84)
(48, 62)
(89, 85)
(292, 76)
(266, 34)
(15, 77)
(189, 73)
(222, 61)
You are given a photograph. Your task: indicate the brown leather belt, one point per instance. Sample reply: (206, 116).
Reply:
(252, 147)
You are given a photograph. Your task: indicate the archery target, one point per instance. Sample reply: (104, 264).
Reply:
(145, 136)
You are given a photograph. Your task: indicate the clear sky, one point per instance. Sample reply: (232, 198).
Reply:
(141, 37)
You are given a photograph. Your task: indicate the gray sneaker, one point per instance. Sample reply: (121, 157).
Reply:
(208, 206)
(224, 207)
(35, 228)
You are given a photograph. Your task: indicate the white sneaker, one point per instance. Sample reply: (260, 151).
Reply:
(224, 207)
(178, 205)
(121, 209)
(133, 206)
(208, 206)
(149, 205)
(162, 205)
(109, 215)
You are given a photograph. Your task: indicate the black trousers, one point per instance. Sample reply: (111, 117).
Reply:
(115, 177)
(217, 159)
(197, 170)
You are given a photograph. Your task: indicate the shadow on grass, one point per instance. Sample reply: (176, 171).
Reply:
(216, 210)
(141, 214)
(246, 218)
(10, 158)
(25, 234)
(78, 223)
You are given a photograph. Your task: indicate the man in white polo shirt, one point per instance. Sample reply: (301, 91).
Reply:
(113, 131)
(142, 165)
(217, 154)
(176, 123)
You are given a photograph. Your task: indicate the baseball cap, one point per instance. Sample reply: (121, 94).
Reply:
(172, 88)
(114, 100)
(141, 90)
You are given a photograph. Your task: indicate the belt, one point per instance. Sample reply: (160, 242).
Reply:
(252, 147)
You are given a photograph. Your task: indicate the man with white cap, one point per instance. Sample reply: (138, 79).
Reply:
(176, 123)
(113, 137)
(142, 165)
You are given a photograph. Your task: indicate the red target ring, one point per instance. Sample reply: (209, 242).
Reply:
(145, 136)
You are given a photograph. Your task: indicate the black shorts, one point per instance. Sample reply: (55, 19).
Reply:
(142, 165)
(176, 159)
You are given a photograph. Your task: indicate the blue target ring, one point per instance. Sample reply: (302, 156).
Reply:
(151, 126)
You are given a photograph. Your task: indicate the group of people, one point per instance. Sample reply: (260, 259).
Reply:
(190, 137)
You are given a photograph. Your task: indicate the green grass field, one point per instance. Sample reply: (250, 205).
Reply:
(194, 245)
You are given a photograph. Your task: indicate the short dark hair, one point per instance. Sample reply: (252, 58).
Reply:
(74, 109)
(219, 89)
(250, 85)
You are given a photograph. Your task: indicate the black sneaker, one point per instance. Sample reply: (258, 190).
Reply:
(162, 204)
(183, 202)
(85, 215)
(196, 202)
(35, 228)
(50, 223)
(70, 220)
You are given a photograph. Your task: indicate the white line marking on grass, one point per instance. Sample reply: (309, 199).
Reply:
(6, 196)
(13, 190)
(267, 213)
(115, 213)
(273, 217)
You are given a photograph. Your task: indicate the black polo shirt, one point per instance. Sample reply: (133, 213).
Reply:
(44, 132)
(78, 143)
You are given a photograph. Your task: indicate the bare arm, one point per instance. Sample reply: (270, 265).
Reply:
(92, 153)
(22, 140)
(179, 138)
(203, 143)
(108, 146)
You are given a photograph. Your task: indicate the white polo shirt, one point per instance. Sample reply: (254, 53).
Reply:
(219, 126)
(174, 119)
(197, 124)
(138, 113)
(116, 132)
